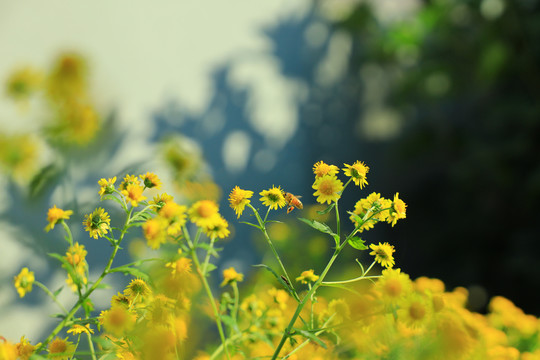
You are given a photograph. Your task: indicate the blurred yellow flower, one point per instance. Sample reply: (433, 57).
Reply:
(218, 228)
(25, 349)
(24, 281)
(307, 276)
(22, 83)
(134, 194)
(79, 329)
(61, 349)
(230, 275)
(117, 320)
(203, 212)
(155, 232)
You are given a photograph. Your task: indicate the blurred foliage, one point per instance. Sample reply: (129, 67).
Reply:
(464, 79)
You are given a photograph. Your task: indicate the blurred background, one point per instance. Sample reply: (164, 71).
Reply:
(439, 98)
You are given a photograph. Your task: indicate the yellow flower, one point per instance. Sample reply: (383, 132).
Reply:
(414, 311)
(307, 276)
(117, 320)
(393, 285)
(383, 254)
(150, 180)
(239, 199)
(120, 300)
(22, 83)
(273, 197)
(97, 223)
(180, 266)
(321, 169)
(128, 180)
(230, 275)
(160, 200)
(328, 189)
(107, 186)
(55, 215)
(137, 288)
(8, 351)
(155, 232)
(218, 228)
(25, 349)
(203, 212)
(61, 349)
(24, 281)
(76, 256)
(340, 310)
(79, 329)
(133, 193)
(19, 155)
(398, 210)
(175, 215)
(357, 172)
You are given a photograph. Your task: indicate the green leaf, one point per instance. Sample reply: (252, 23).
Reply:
(322, 227)
(229, 321)
(311, 336)
(114, 198)
(128, 270)
(37, 357)
(88, 306)
(327, 210)
(357, 243)
(59, 316)
(141, 216)
(281, 279)
(356, 218)
(58, 291)
(210, 267)
(248, 223)
(45, 177)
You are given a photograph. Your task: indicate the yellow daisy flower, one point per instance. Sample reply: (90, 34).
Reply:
(398, 210)
(273, 197)
(414, 311)
(77, 329)
(24, 281)
(357, 172)
(151, 180)
(25, 349)
(22, 83)
(117, 320)
(155, 232)
(128, 180)
(61, 349)
(393, 285)
(137, 288)
(307, 276)
(133, 193)
(107, 186)
(160, 200)
(328, 188)
(219, 228)
(239, 199)
(203, 212)
(230, 275)
(321, 169)
(180, 266)
(76, 256)
(8, 350)
(97, 223)
(120, 300)
(383, 254)
(55, 215)
(175, 215)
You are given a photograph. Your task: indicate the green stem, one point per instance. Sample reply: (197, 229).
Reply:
(68, 231)
(300, 306)
(81, 300)
(207, 257)
(91, 345)
(262, 227)
(330, 283)
(208, 291)
(236, 300)
(51, 295)
(221, 347)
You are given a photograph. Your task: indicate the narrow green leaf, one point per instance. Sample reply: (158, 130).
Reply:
(127, 270)
(357, 243)
(114, 198)
(311, 336)
(356, 218)
(248, 223)
(281, 279)
(58, 291)
(322, 227)
(327, 210)
(210, 267)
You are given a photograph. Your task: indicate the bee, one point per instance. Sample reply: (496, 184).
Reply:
(292, 202)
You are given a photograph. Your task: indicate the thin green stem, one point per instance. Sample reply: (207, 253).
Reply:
(207, 290)
(262, 227)
(91, 345)
(207, 257)
(51, 295)
(287, 332)
(236, 301)
(68, 231)
(330, 283)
